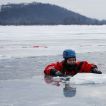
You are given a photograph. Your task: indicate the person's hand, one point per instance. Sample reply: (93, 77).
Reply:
(96, 71)
(58, 73)
(55, 72)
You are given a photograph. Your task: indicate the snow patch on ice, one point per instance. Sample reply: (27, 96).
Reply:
(88, 79)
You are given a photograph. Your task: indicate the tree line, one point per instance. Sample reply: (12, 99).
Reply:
(42, 14)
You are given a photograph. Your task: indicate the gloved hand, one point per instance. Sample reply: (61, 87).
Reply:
(96, 71)
(55, 72)
(58, 73)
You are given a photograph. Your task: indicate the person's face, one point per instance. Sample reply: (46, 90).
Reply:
(71, 61)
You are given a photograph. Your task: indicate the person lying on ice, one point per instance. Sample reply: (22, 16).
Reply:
(69, 66)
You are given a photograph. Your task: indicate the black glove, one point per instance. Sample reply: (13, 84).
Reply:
(58, 73)
(54, 72)
(96, 71)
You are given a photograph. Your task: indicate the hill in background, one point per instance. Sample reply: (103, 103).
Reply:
(42, 14)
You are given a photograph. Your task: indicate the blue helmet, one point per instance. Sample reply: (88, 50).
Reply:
(69, 53)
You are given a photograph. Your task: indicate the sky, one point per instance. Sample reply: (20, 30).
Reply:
(90, 8)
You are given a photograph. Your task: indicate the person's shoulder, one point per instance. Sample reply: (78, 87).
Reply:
(78, 62)
(59, 62)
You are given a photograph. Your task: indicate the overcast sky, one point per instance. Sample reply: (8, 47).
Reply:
(90, 8)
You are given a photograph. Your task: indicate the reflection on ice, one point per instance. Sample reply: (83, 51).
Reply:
(68, 90)
(35, 92)
(50, 80)
(80, 79)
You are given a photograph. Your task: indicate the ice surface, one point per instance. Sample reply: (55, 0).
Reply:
(25, 41)
(34, 91)
(24, 52)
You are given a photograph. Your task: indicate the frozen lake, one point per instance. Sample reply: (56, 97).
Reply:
(24, 41)
(26, 50)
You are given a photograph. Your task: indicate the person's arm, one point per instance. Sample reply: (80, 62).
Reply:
(89, 68)
(55, 72)
(95, 70)
(53, 69)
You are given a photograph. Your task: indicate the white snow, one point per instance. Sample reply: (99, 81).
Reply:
(24, 41)
(89, 79)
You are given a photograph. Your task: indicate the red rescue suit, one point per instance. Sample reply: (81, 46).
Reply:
(80, 67)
